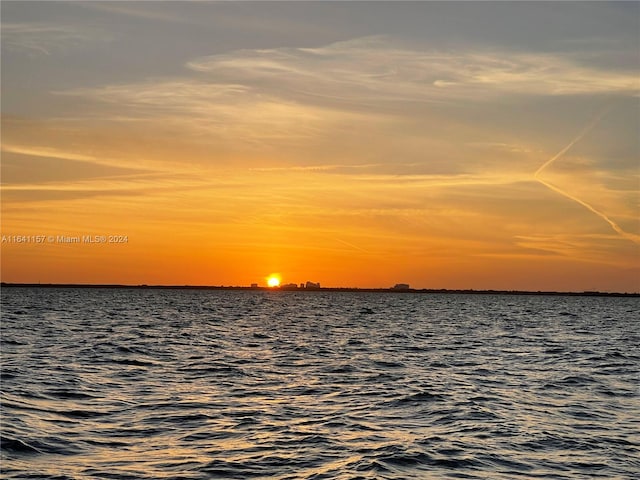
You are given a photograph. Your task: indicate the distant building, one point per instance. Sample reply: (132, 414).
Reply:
(312, 286)
(401, 286)
(289, 286)
(254, 285)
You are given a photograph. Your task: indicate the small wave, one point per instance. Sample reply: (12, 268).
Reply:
(340, 369)
(389, 364)
(577, 380)
(106, 443)
(17, 445)
(555, 350)
(233, 470)
(10, 341)
(68, 394)
(129, 349)
(420, 397)
(80, 414)
(186, 419)
(45, 445)
(439, 365)
(551, 442)
(454, 463)
(6, 374)
(132, 361)
(503, 462)
(260, 335)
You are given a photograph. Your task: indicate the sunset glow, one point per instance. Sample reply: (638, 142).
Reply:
(273, 281)
(464, 145)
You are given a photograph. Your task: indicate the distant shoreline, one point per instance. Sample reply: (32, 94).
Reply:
(323, 289)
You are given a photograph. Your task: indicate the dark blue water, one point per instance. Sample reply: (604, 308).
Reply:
(192, 384)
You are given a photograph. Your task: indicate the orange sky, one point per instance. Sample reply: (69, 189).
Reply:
(364, 156)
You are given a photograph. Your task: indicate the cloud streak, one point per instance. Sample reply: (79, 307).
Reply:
(257, 105)
(273, 87)
(47, 152)
(38, 38)
(371, 68)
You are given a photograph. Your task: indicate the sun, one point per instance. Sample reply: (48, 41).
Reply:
(273, 280)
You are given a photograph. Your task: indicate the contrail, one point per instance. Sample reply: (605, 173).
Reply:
(614, 225)
(536, 175)
(349, 244)
(584, 131)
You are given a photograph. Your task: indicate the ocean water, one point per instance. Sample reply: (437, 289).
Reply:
(197, 384)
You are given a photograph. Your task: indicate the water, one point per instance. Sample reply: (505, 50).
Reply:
(194, 384)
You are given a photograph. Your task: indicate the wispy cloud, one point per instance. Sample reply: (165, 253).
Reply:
(221, 112)
(133, 10)
(377, 68)
(39, 38)
(290, 95)
(594, 247)
(48, 152)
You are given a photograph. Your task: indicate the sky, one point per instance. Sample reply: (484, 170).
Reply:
(473, 145)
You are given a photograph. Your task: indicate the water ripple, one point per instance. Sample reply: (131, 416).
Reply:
(133, 384)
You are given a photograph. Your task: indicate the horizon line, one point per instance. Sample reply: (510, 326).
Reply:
(326, 289)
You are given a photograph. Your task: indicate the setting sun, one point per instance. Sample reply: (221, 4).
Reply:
(273, 280)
